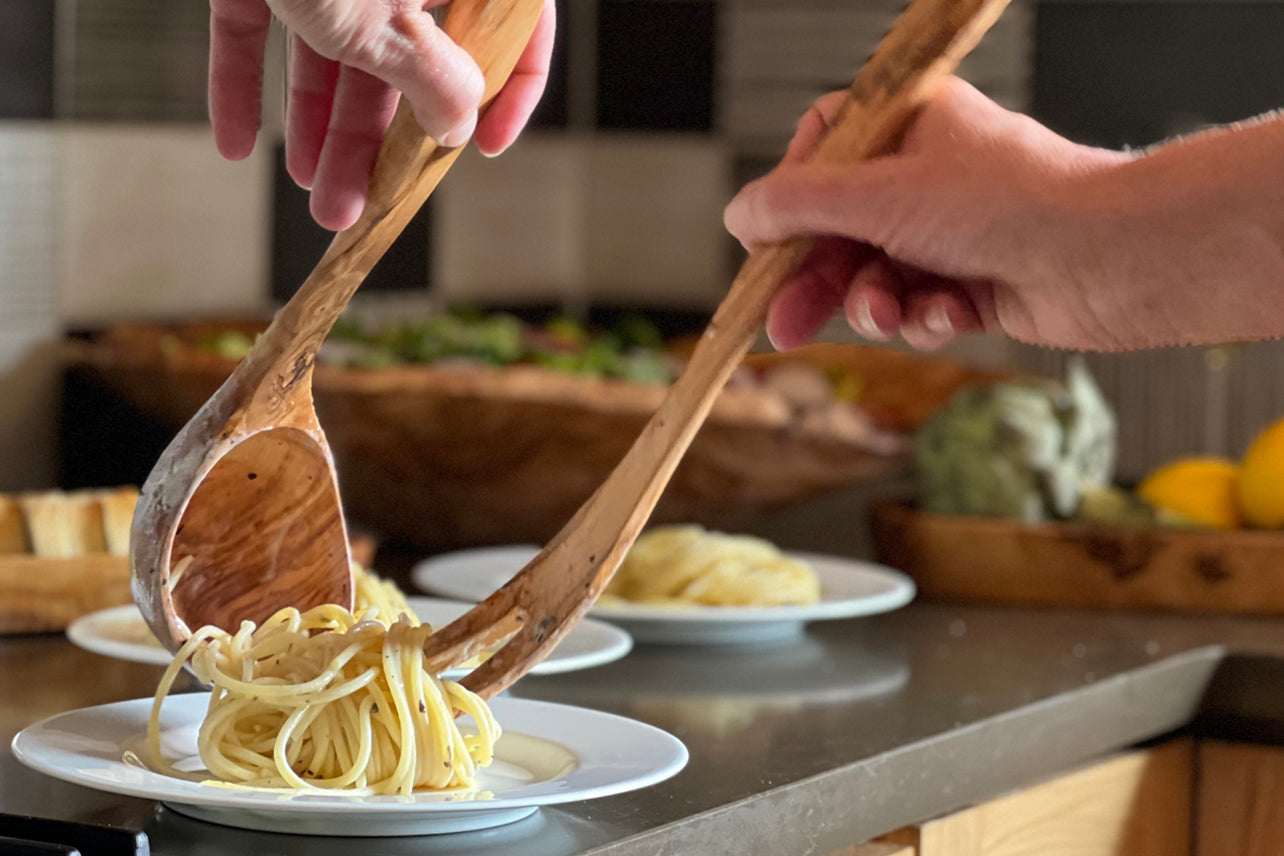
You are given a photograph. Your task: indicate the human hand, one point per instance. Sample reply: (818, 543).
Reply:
(941, 238)
(349, 59)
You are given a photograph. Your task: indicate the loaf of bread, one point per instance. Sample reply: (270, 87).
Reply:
(61, 525)
(13, 530)
(118, 516)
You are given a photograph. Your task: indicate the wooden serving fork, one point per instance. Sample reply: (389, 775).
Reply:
(541, 603)
(241, 516)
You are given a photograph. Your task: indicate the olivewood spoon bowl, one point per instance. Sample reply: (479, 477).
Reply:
(534, 609)
(241, 515)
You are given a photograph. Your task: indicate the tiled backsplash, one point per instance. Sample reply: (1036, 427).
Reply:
(614, 197)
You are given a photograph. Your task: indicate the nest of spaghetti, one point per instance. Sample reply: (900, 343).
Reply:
(329, 700)
(691, 566)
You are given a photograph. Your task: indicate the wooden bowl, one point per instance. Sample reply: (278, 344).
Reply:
(994, 560)
(447, 457)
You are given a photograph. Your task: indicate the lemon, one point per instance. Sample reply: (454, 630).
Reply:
(1201, 490)
(1261, 479)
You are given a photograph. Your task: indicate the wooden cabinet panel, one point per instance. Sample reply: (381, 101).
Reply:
(874, 848)
(1134, 804)
(1240, 799)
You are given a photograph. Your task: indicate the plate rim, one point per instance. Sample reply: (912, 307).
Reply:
(902, 592)
(80, 634)
(233, 799)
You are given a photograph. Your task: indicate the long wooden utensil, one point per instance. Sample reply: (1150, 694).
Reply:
(538, 605)
(241, 515)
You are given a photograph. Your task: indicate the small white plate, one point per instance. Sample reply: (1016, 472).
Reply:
(122, 633)
(549, 754)
(849, 588)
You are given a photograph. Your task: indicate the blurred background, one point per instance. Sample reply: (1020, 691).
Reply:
(114, 204)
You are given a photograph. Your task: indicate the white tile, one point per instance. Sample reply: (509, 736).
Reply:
(155, 223)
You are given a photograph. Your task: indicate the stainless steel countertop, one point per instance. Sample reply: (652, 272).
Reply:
(853, 730)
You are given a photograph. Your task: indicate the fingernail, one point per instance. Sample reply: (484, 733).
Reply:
(459, 134)
(865, 323)
(937, 321)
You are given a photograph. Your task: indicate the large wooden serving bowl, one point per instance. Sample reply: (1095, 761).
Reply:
(456, 456)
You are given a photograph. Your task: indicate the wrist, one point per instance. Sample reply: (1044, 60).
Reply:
(1184, 243)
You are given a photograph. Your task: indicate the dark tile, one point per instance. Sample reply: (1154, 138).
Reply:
(656, 64)
(134, 60)
(1131, 73)
(26, 59)
(298, 243)
(552, 111)
(102, 439)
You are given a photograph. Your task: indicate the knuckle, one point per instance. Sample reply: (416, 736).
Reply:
(455, 104)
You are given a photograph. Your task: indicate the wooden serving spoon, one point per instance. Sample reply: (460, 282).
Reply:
(542, 602)
(241, 515)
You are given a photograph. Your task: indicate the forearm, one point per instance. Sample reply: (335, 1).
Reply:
(1187, 240)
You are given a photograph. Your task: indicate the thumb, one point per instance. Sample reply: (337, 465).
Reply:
(440, 80)
(868, 201)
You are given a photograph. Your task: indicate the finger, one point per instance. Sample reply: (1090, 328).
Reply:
(512, 108)
(440, 80)
(937, 315)
(811, 295)
(238, 34)
(813, 126)
(363, 109)
(873, 302)
(312, 88)
(865, 201)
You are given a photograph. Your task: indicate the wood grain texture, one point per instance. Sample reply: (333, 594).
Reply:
(39, 595)
(1240, 799)
(1134, 804)
(994, 560)
(452, 458)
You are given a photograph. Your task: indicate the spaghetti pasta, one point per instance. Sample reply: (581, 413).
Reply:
(328, 699)
(382, 594)
(688, 566)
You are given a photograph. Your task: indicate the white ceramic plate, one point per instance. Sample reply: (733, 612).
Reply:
(122, 633)
(549, 754)
(849, 588)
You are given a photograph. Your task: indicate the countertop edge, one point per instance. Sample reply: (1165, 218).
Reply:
(946, 772)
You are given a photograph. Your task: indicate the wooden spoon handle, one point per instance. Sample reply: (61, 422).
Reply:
(409, 166)
(922, 49)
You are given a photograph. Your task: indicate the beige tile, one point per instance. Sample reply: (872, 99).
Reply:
(509, 228)
(29, 170)
(654, 231)
(604, 218)
(154, 223)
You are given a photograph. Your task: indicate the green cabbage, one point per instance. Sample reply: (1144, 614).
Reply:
(1022, 450)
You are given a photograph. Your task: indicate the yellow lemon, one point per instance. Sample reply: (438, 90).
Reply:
(1261, 479)
(1201, 490)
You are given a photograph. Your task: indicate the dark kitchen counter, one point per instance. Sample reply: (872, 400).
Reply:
(853, 730)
